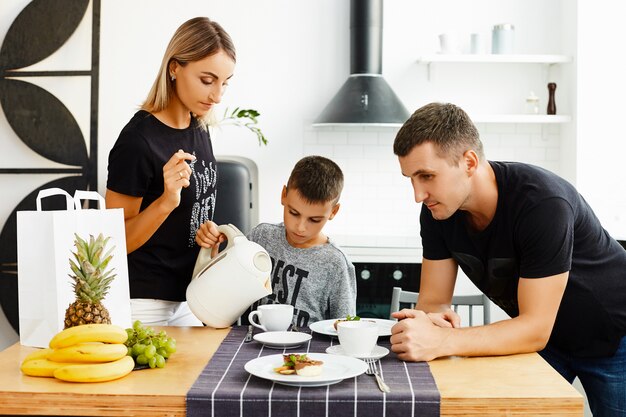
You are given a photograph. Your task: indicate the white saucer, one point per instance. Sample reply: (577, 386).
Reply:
(377, 353)
(282, 340)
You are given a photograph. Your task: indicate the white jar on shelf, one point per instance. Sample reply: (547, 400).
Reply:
(532, 103)
(503, 39)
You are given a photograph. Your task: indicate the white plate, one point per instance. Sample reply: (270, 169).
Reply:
(282, 340)
(377, 353)
(327, 326)
(335, 369)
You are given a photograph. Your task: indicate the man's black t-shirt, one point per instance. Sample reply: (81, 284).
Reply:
(542, 227)
(162, 267)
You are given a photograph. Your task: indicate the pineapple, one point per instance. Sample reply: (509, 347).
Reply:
(91, 283)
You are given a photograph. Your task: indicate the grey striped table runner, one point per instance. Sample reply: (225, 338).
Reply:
(224, 388)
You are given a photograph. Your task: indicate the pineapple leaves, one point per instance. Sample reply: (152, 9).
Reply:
(91, 278)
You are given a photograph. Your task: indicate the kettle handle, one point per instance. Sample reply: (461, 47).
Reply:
(204, 256)
(231, 233)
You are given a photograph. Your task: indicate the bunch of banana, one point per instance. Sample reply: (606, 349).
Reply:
(87, 353)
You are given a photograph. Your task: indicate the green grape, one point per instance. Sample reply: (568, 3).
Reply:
(138, 349)
(149, 351)
(159, 361)
(170, 346)
(148, 347)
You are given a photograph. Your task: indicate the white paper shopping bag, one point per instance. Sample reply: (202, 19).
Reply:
(45, 242)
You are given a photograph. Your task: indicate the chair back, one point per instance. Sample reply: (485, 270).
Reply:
(398, 296)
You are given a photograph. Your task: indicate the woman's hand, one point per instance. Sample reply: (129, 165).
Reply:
(176, 174)
(208, 236)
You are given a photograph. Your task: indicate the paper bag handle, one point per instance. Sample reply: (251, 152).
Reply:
(80, 195)
(54, 191)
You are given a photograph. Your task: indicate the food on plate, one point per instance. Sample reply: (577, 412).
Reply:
(300, 365)
(348, 318)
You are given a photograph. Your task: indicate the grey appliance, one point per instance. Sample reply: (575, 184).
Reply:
(237, 194)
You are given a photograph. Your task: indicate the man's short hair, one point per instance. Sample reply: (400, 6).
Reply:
(317, 179)
(445, 125)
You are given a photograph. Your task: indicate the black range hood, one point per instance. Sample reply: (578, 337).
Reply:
(365, 98)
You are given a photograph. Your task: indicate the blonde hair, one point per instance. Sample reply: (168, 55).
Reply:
(194, 40)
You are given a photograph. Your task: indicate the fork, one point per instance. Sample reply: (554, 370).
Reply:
(371, 370)
(248, 337)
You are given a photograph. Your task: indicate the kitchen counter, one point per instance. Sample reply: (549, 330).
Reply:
(516, 385)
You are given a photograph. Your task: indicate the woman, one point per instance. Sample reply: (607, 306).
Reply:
(163, 173)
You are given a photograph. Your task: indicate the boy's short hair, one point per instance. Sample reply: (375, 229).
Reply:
(445, 125)
(317, 179)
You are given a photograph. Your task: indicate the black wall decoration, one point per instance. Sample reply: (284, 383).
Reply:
(40, 120)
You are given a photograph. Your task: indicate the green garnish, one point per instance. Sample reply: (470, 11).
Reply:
(295, 358)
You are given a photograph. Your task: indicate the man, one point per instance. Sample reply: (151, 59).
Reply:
(530, 242)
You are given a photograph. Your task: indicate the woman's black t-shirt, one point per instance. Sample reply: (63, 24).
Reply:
(162, 267)
(542, 227)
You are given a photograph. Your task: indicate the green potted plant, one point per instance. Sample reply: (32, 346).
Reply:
(247, 118)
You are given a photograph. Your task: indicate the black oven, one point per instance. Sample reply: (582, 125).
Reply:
(375, 281)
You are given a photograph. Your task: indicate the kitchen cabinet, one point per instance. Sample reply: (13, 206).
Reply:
(548, 60)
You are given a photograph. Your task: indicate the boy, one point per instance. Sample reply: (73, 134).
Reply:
(309, 271)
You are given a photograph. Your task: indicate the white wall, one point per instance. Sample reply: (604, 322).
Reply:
(600, 174)
(294, 59)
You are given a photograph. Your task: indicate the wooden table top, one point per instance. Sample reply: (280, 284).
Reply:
(488, 386)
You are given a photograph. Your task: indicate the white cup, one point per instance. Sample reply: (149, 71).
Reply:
(447, 43)
(272, 317)
(357, 338)
(476, 44)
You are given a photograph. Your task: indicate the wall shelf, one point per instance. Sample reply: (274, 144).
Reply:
(521, 118)
(495, 58)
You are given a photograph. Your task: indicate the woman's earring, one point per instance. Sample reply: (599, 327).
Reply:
(173, 77)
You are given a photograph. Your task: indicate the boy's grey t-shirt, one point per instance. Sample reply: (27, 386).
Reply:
(319, 282)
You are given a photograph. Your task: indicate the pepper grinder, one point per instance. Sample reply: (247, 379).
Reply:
(551, 102)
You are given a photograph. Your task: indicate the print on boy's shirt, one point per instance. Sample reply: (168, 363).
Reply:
(282, 275)
(202, 180)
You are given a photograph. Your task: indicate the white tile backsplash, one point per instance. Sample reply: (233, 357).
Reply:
(378, 200)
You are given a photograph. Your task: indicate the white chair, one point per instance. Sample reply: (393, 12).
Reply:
(471, 301)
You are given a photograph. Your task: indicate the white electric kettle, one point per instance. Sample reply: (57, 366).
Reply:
(223, 287)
